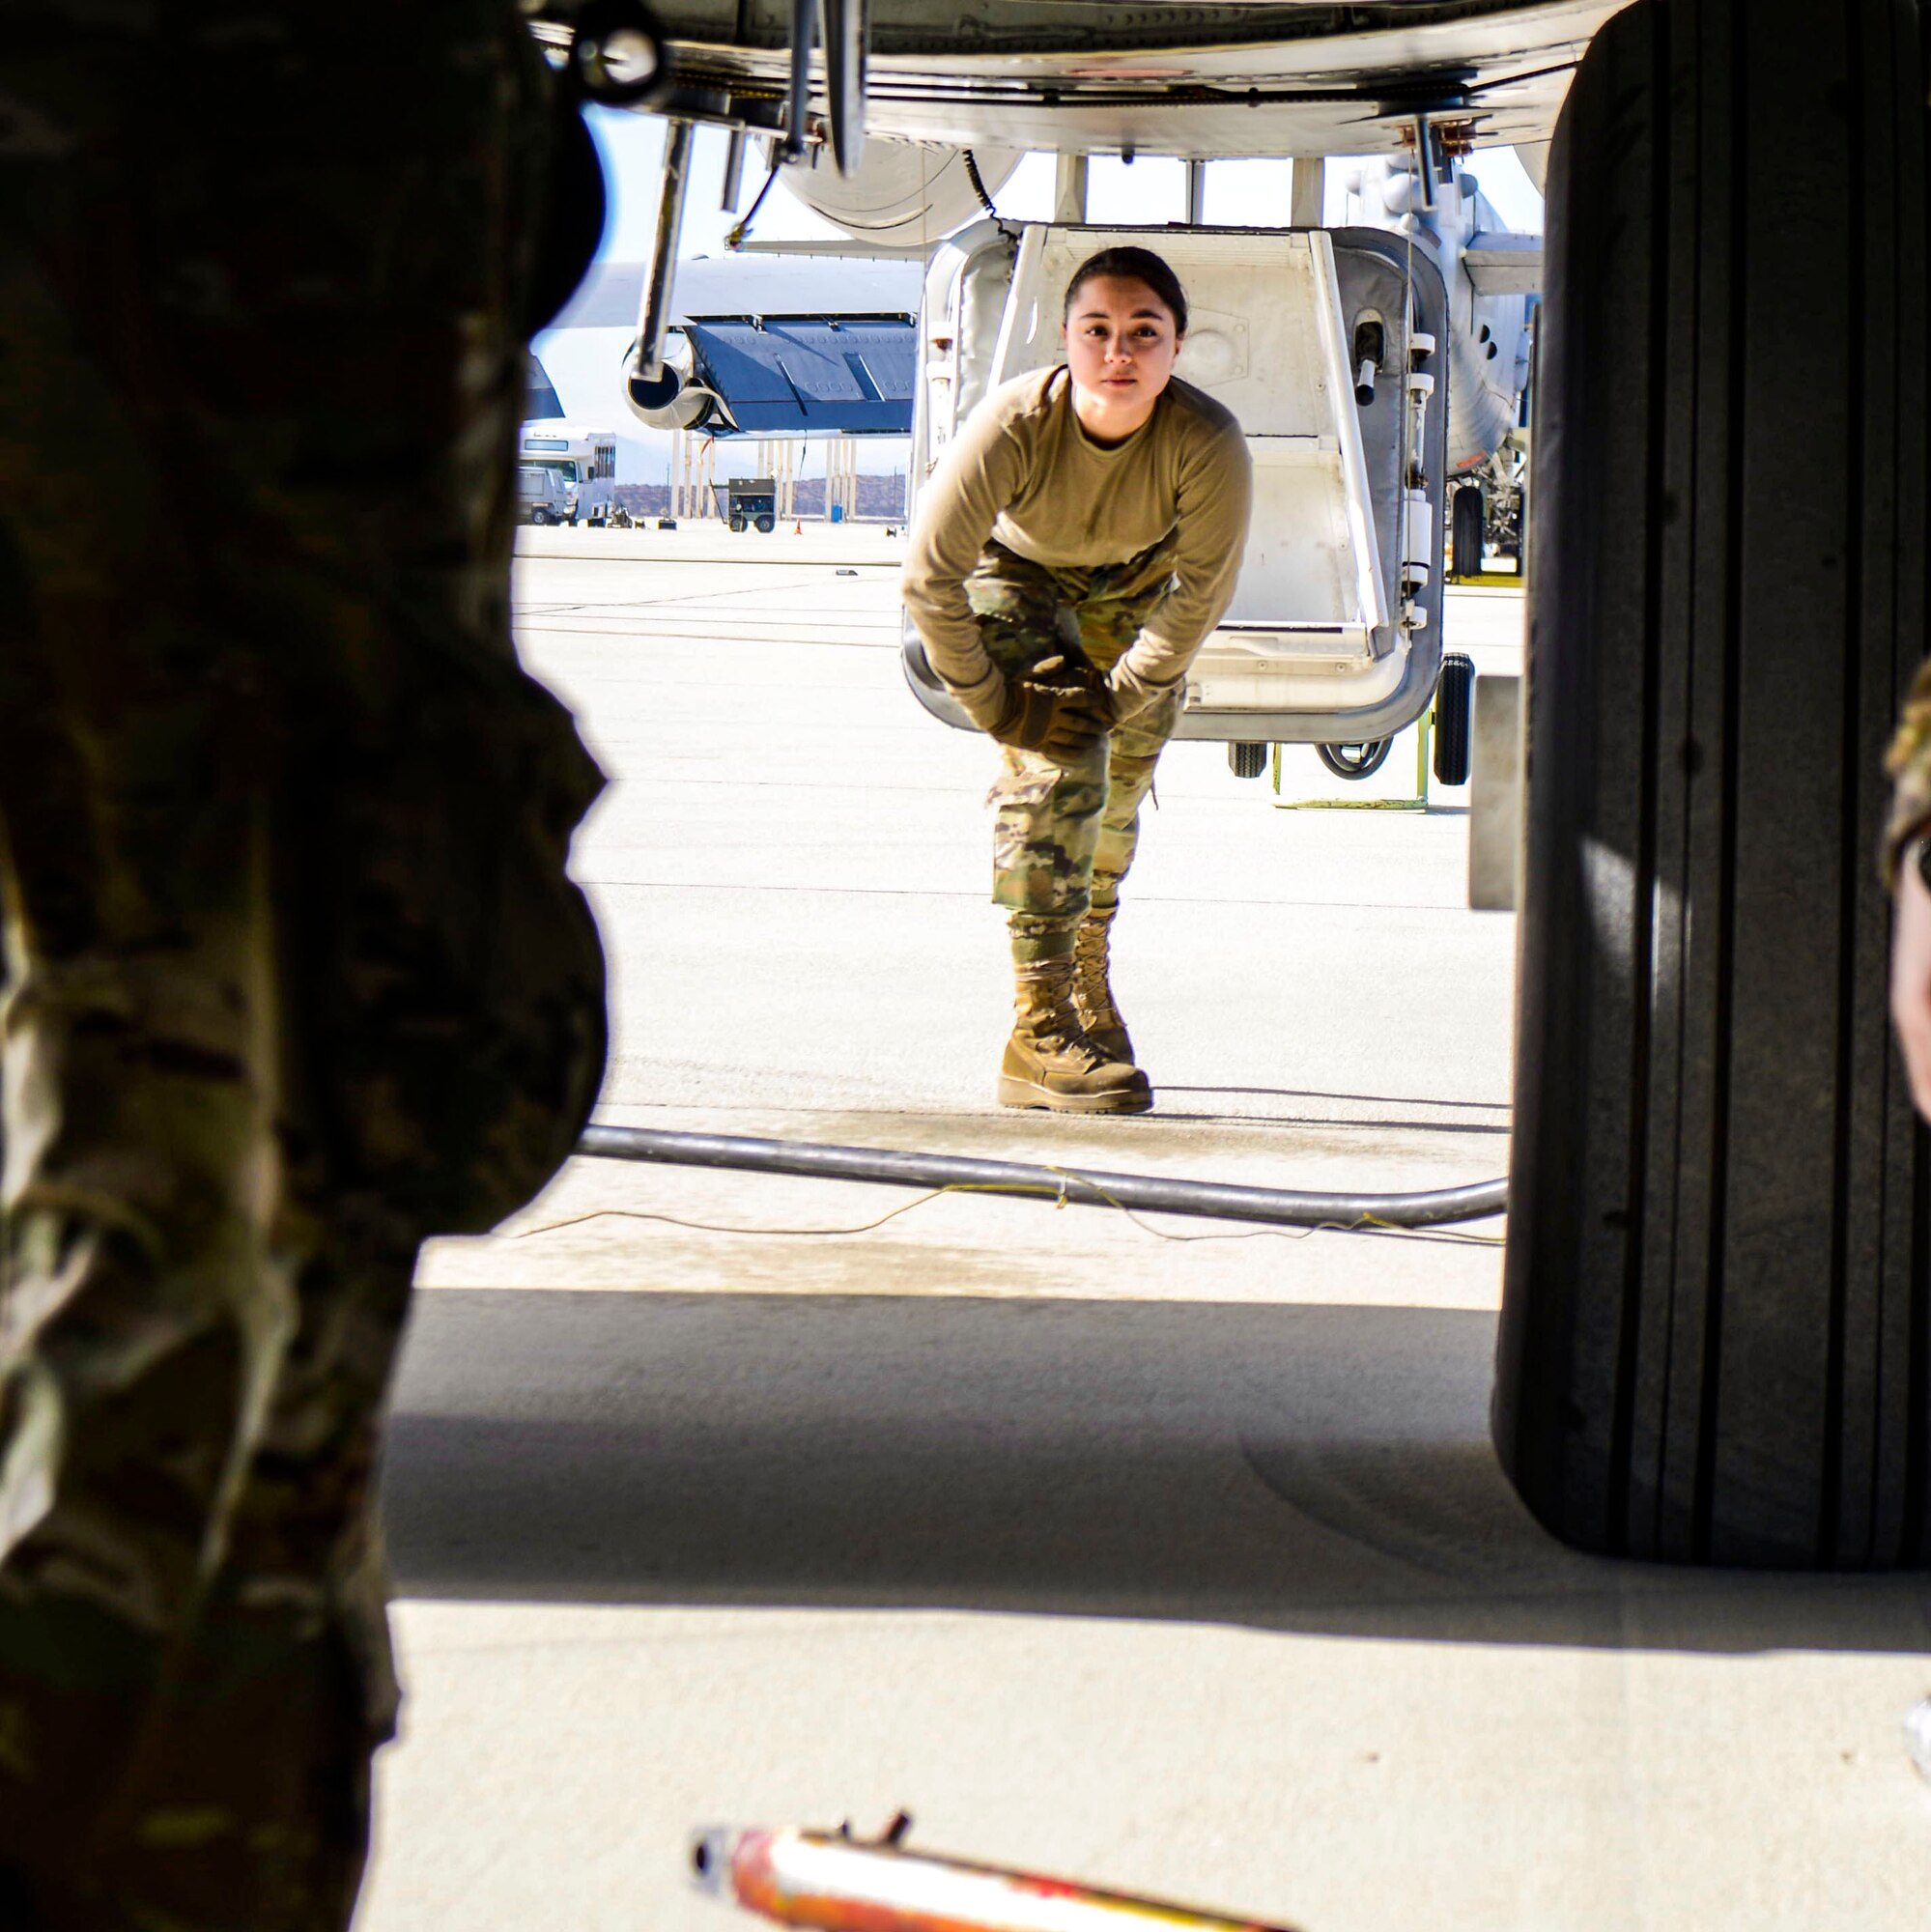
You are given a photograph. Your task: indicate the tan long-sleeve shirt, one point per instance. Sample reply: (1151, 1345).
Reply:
(1023, 470)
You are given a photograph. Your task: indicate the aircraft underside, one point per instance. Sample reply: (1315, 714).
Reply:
(1195, 80)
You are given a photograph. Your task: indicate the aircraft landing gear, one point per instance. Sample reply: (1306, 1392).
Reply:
(1716, 1340)
(1468, 515)
(1453, 705)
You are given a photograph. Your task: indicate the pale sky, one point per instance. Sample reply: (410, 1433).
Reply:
(583, 363)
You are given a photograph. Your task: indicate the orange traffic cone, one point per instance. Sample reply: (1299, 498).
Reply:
(798, 528)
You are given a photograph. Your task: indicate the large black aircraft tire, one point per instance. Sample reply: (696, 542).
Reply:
(1468, 515)
(1453, 708)
(1717, 1323)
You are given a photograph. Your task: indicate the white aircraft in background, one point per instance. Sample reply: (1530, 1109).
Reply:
(1717, 1326)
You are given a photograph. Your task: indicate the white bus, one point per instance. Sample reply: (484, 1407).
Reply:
(583, 459)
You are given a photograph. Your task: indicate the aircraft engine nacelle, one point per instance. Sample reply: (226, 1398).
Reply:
(674, 399)
(905, 194)
(1487, 367)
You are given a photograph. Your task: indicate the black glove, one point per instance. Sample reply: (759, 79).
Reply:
(1053, 709)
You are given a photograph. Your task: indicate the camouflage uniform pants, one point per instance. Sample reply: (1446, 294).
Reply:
(293, 974)
(1064, 836)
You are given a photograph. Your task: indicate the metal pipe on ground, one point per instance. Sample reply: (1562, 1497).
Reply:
(836, 1883)
(1147, 1194)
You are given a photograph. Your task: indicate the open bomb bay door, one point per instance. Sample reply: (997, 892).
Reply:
(1334, 634)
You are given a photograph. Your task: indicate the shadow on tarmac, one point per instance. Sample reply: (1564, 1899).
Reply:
(1308, 1468)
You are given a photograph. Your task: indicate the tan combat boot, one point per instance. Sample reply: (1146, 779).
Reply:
(1097, 1014)
(1049, 1060)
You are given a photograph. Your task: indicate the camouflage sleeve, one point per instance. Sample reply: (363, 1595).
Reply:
(1909, 767)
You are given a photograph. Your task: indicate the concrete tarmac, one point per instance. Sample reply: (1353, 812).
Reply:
(1174, 1564)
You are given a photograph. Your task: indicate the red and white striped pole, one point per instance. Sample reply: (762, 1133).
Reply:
(833, 1883)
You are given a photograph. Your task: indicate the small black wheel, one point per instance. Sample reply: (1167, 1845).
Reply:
(1467, 512)
(1454, 702)
(737, 526)
(765, 525)
(539, 518)
(1248, 761)
(1354, 762)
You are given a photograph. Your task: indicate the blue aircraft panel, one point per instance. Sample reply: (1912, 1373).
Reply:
(808, 374)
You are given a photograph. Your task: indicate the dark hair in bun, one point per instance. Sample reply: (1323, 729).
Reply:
(1132, 264)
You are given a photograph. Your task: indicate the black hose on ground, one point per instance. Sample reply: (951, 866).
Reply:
(1149, 1194)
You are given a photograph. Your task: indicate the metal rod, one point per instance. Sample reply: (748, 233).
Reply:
(836, 1884)
(1083, 1187)
(1425, 161)
(654, 313)
(804, 20)
(1307, 191)
(1069, 188)
(733, 182)
(1196, 194)
(846, 25)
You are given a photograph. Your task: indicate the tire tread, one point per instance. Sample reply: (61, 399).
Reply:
(1714, 1343)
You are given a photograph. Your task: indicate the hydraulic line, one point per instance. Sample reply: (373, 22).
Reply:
(1151, 1194)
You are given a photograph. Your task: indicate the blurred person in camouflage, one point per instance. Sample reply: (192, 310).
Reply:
(295, 976)
(1079, 539)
